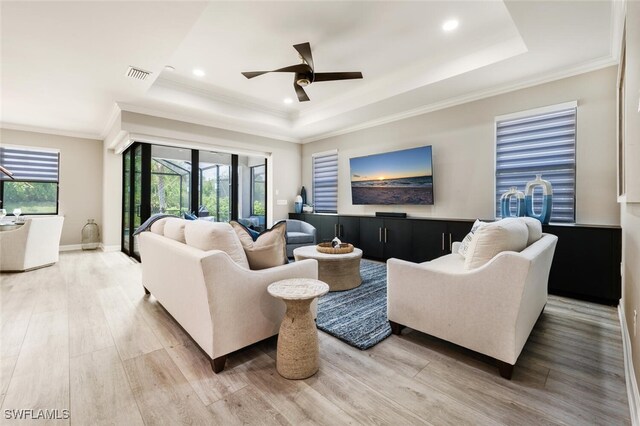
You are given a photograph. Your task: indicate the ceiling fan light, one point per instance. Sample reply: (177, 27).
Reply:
(303, 82)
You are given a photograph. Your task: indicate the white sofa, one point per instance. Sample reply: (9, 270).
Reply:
(490, 309)
(33, 245)
(212, 294)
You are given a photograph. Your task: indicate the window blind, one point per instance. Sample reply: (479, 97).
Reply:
(30, 165)
(539, 144)
(325, 182)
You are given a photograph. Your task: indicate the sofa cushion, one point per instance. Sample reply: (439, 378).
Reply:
(157, 227)
(206, 236)
(464, 245)
(299, 238)
(451, 263)
(268, 250)
(174, 229)
(535, 229)
(493, 238)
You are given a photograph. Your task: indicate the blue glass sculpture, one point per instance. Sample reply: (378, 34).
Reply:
(505, 203)
(547, 199)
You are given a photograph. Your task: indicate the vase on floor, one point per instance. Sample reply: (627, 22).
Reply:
(90, 235)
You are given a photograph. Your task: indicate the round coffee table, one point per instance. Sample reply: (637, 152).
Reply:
(340, 271)
(298, 355)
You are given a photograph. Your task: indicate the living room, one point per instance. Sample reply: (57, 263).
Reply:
(174, 119)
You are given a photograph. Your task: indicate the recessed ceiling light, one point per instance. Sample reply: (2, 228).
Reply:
(287, 100)
(198, 72)
(450, 25)
(169, 68)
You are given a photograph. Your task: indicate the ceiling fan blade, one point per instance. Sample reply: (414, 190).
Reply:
(300, 68)
(302, 95)
(304, 49)
(332, 76)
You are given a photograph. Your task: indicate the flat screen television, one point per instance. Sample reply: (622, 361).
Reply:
(398, 177)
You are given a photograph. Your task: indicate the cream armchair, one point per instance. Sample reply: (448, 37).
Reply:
(491, 309)
(34, 245)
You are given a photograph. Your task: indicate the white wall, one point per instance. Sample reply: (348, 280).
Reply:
(111, 199)
(463, 140)
(80, 187)
(630, 205)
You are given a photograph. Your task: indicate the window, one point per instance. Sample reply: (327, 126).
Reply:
(539, 143)
(258, 197)
(34, 189)
(325, 182)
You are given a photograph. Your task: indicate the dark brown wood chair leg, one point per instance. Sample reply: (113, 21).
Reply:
(396, 328)
(217, 364)
(506, 369)
(147, 292)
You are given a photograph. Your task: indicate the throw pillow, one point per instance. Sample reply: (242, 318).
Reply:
(269, 249)
(174, 229)
(189, 216)
(464, 244)
(535, 229)
(494, 238)
(158, 226)
(206, 236)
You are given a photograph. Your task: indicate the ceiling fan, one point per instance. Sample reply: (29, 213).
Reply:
(305, 73)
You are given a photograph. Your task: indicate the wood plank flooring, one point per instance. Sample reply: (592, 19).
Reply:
(82, 336)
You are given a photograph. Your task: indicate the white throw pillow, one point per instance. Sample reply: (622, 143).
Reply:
(535, 229)
(206, 236)
(494, 238)
(157, 227)
(464, 244)
(174, 229)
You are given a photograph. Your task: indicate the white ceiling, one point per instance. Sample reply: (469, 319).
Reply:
(64, 63)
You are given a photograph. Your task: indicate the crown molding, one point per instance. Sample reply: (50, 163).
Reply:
(218, 123)
(48, 131)
(475, 96)
(618, 16)
(111, 120)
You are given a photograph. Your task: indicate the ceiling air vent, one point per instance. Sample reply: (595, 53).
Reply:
(137, 73)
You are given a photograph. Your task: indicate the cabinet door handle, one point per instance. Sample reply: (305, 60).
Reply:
(335, 230)
(380, 234)
(385, 235)
(450, 247)
(443, 241)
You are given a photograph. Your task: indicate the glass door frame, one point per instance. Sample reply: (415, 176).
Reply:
(145, 194)
(145, 190)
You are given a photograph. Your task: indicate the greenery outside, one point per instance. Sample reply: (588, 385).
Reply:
(31, 197)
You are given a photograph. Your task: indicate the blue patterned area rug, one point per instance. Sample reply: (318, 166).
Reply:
(358, 316)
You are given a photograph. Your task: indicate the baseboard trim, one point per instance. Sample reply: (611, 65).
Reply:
(629, 373)
(70, 247)
(110, 248)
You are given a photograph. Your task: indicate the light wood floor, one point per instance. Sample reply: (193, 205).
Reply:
(82, 336)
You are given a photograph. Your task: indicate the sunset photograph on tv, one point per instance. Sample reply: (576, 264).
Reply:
(398, 177)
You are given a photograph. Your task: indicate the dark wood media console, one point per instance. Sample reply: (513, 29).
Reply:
(586, 263)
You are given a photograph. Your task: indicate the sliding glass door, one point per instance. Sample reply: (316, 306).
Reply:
(214, 171)
(170, 180)
(134, 189)
(189, 183)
